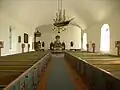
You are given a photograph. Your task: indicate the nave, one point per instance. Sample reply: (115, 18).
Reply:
(59, 44)
(29, 71)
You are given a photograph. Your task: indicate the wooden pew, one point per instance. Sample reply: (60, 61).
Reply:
(110, 67)
(103, 61)
(29, 55)
(112, 76)
(6, 77)
(14, 67)
(4, 63)
(98, 72)
(91, 55)
(23, 67)
(8, 73)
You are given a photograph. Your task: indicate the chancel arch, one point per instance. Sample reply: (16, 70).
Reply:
(105, 39)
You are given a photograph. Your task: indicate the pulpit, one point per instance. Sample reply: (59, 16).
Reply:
(37, 45)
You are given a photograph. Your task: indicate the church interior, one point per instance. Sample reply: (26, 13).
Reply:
(59, 45)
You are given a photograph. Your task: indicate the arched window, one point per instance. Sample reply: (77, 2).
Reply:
(105, 39)
(84, 41)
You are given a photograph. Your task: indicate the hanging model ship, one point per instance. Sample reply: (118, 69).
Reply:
(60, 22)
(63, 23)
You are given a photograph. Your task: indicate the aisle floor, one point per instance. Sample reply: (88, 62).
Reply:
(59, 76)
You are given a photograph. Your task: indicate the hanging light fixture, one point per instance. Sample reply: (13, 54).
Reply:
(60, 21)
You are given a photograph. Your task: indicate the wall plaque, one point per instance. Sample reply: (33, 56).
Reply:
(19, 39)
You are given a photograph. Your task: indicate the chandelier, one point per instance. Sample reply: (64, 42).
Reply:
(60, 21)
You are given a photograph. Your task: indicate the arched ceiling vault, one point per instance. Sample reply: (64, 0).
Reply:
(33, 13)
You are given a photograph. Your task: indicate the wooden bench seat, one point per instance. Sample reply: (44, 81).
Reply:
(12, 71)
(108, 66)
(10, 64)
(116, 73)
(30, 55)
(16, 66)
(104, 61)
(7, 77)
(100, 72)
(92, 55)
(13, 68)
(17, 63)
(94, 58)
(21, 60)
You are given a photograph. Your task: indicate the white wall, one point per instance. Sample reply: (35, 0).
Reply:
(72, 33)
(95, 32)
(18, 29)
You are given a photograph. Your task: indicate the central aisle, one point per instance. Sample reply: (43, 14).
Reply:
(59, 78)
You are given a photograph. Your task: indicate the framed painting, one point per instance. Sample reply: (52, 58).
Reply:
(25, 38)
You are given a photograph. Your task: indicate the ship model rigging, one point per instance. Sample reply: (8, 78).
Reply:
(60, 22)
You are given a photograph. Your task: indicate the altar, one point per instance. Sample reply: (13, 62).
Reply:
(57, 45)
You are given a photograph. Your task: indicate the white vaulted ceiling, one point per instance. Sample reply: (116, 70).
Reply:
(33, 13)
